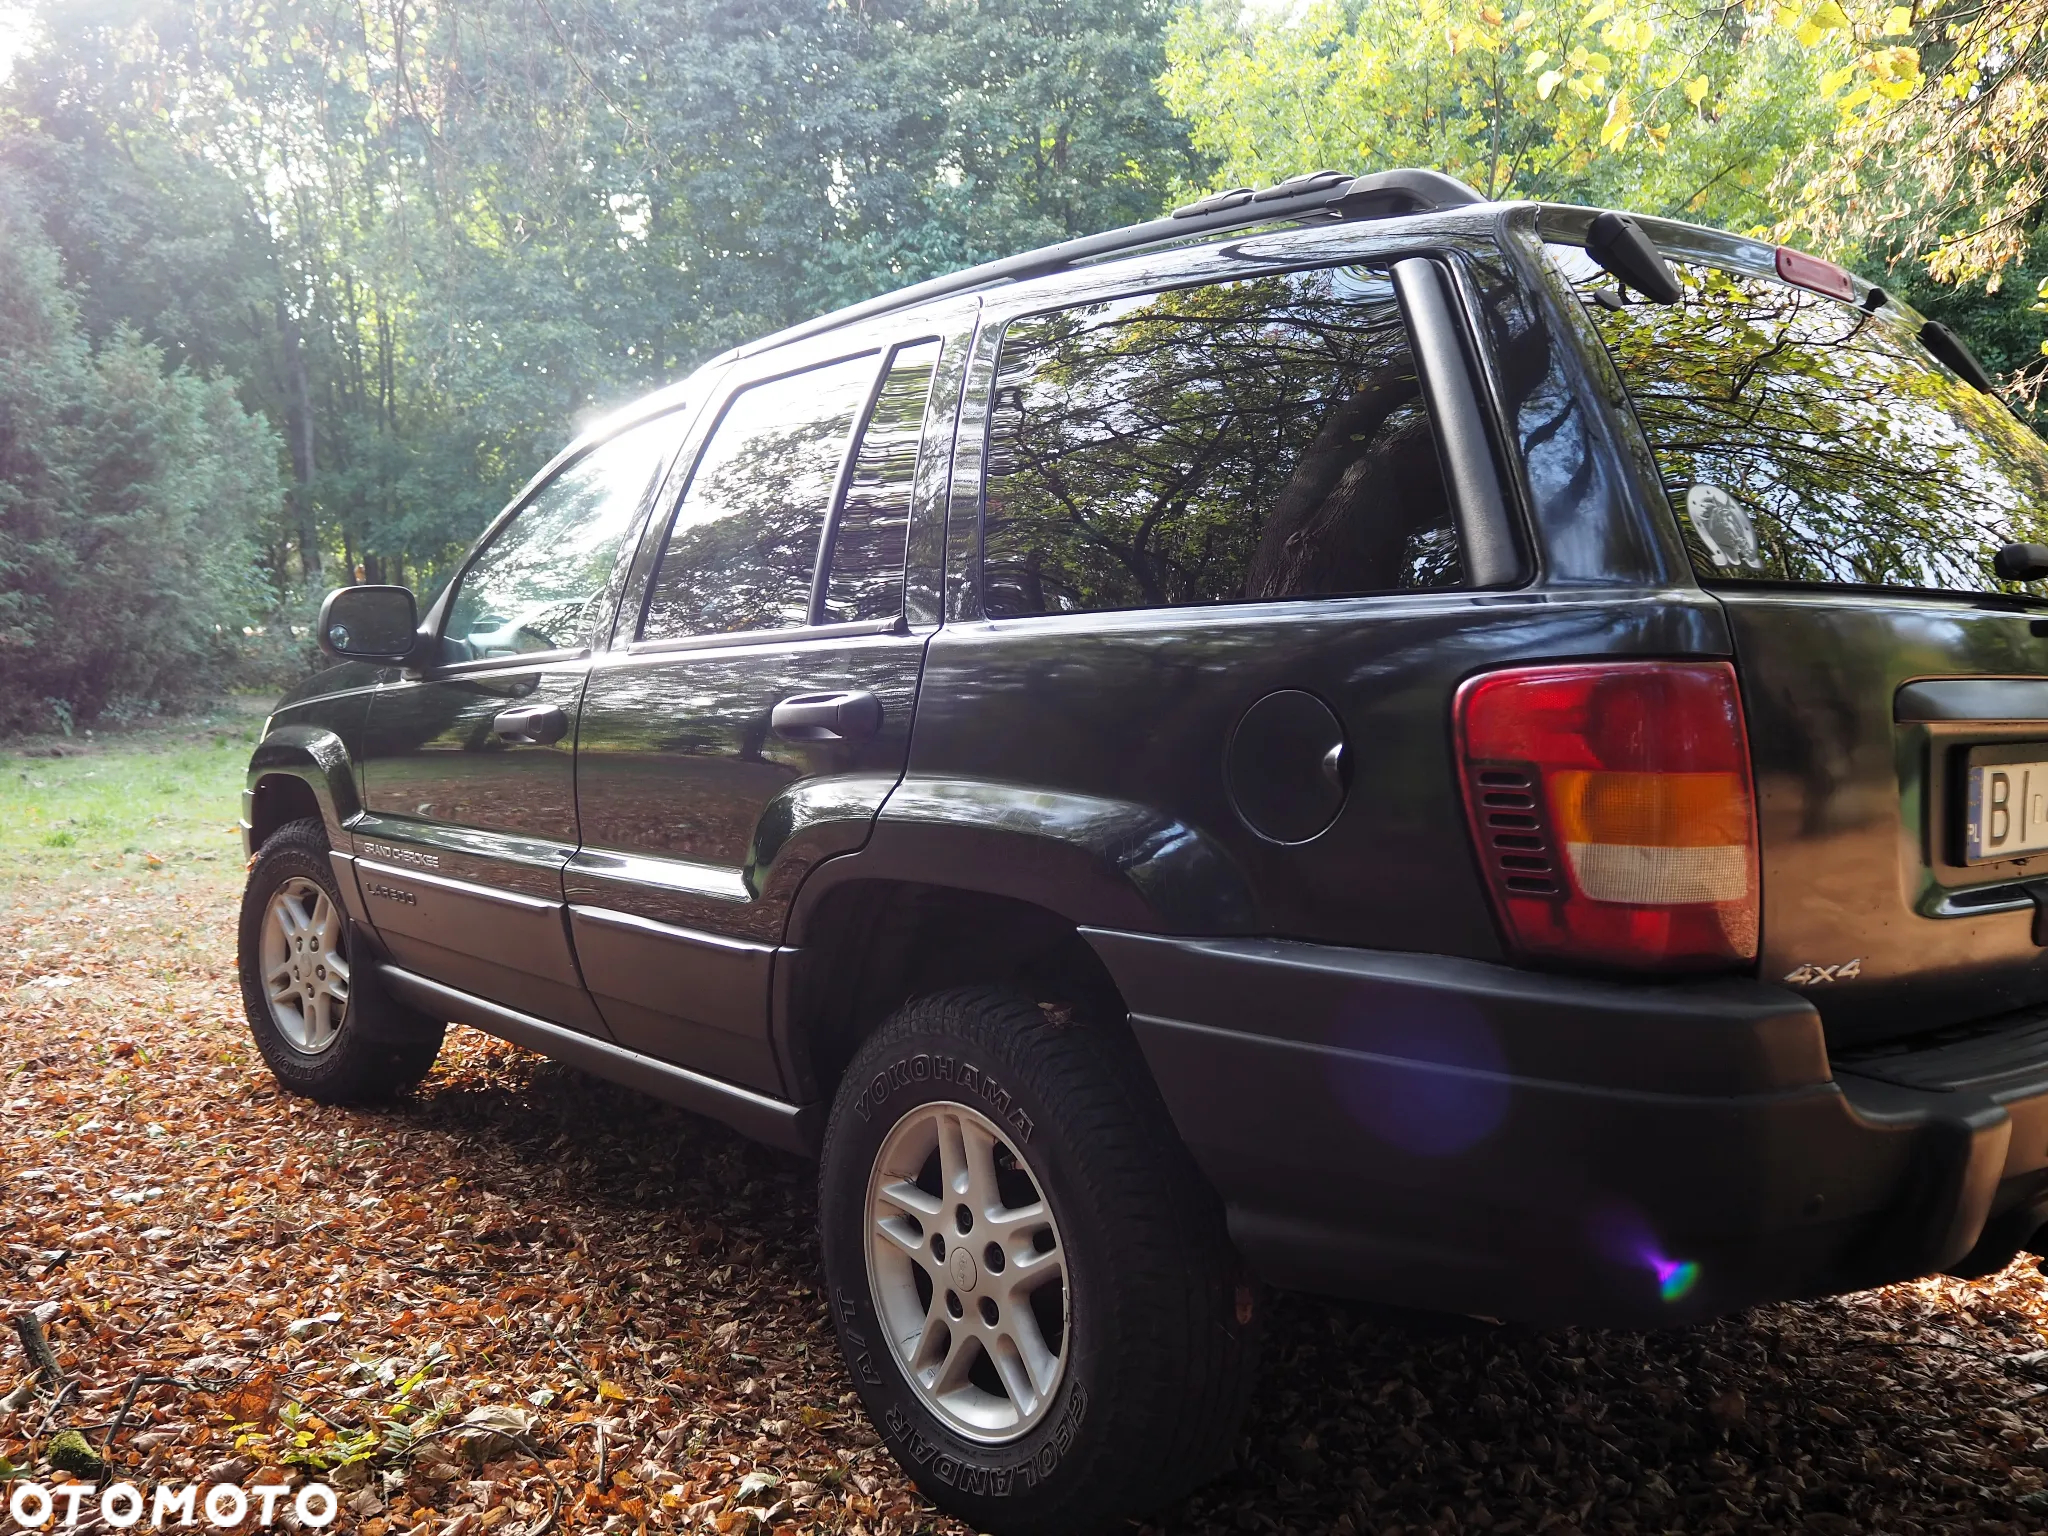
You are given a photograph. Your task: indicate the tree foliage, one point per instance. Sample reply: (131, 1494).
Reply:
(428, 237)
(1666, 109)
(130, 498)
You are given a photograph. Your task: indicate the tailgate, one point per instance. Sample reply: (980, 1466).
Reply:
(1842, 482)
(1865, 712)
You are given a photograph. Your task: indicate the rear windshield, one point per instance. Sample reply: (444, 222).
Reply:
(1804, 440)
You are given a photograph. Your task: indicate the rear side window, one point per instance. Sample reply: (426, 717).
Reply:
(1237, 442)
(743, 548)
(1805, 440)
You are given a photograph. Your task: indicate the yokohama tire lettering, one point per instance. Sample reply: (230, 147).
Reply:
(907, 1071)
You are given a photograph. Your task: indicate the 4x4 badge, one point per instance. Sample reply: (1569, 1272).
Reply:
(1813, 975)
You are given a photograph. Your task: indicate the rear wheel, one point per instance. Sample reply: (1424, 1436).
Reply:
(324, 1026)
(1032, 1283)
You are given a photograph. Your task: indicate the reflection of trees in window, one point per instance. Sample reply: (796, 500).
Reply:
(744, 544)
(870, 537)
(533, 587)
(1259, 439)
(1857, 459)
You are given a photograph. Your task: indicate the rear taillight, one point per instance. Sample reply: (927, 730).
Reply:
(1612, 810)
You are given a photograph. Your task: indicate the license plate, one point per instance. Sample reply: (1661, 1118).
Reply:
(2008, 812)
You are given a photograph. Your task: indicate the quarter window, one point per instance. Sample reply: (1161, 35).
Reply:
(743, 549)
(871, 534)
(1243, 441)
(538, 583)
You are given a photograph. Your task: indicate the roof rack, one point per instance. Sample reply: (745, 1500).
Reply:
(1384, 194)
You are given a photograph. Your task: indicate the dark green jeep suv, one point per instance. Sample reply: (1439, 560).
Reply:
(1475, 755)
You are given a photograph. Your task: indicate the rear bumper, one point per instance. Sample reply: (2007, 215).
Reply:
(1446, 1133)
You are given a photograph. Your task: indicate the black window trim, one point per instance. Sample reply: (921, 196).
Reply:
(889, 626)
(1455, 358)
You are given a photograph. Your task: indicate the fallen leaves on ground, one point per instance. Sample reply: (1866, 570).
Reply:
(524, 1293)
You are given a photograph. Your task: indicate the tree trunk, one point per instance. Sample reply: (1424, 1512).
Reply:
(299, 433)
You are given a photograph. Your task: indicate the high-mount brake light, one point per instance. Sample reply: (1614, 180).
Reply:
(1818, 276)
(1612, 810)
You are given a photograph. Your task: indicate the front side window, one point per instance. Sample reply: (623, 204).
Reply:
(743, 549)
(536, 585)
(1802, 439)
(1245, 441)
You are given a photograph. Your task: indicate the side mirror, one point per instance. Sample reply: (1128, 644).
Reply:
(370, 624)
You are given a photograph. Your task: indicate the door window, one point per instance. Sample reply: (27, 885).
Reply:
(743, 549)
(1242, 441)
(539, 581)
(870, 537)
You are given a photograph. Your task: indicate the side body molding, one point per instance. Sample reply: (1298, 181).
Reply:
(1092, 860)
(792, 1127)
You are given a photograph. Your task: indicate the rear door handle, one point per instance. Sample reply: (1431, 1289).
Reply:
(827, 716)
(532, 725)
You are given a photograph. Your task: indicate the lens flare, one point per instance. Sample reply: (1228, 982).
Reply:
(1674, 1276)
(1619, 1232)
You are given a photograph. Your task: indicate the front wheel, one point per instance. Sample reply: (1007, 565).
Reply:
(1032, 1283)
(326, 1030)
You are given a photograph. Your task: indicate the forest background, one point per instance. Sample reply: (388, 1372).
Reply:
(291, 287)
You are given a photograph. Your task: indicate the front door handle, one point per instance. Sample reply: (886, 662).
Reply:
(532, 725)
(827, 716)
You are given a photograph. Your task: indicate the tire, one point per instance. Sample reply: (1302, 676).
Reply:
(340, 1039)
(1146, 1332)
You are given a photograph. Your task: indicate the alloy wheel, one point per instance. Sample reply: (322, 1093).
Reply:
(305, 973)
(968, 1272)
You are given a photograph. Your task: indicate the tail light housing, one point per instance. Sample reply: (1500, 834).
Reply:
(1612, 809)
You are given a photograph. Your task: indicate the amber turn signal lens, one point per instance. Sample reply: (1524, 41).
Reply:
(1612, 811)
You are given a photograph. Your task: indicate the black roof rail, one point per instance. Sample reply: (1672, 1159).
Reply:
(1383, 194)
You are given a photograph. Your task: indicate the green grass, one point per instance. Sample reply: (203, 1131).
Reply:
(148, 800)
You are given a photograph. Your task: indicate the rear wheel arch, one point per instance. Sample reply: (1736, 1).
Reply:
(869, 946)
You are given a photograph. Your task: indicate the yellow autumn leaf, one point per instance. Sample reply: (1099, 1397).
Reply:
(1490, 16)
(614, 1391)
(1835, 79)
(1614, 132)
(1537, 60)
(1696, 89)
(1898, 21)
(1548, 83)
(1645, 35)
(1829, 16)
(1598, 63)
(1522, 23)
(1600, 12)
